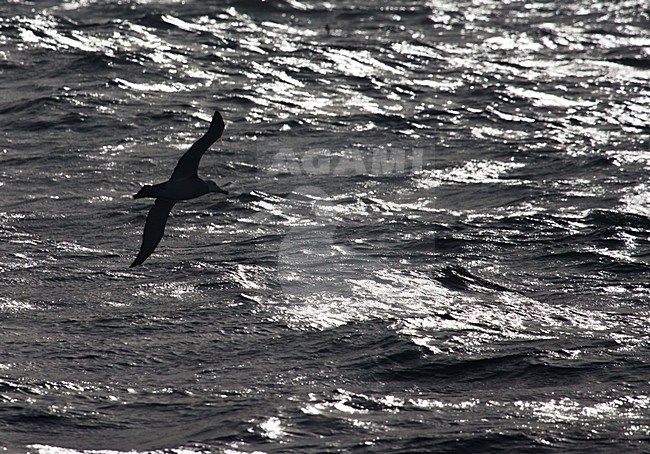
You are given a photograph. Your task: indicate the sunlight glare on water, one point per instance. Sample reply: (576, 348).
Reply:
(436, 236)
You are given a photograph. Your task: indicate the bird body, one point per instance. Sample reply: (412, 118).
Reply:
(175, 189)
(184, 184)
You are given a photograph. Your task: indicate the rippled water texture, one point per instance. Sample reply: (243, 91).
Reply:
(437, 237)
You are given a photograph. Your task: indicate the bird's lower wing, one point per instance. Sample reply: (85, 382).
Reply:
(154, 229)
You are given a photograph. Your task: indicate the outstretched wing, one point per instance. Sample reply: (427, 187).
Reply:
(154, 229)
(188, 165)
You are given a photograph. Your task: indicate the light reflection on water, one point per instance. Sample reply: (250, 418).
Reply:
(514, 258)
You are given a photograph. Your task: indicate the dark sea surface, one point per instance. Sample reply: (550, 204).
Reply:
(437, 237)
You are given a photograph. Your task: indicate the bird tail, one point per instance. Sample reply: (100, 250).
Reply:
(146, 191)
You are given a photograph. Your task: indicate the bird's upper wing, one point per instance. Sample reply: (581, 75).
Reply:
(188, 165)
(153, 229)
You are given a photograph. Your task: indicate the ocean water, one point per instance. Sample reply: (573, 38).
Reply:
(437, 237)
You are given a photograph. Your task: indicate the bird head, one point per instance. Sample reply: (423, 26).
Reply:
(212, 187)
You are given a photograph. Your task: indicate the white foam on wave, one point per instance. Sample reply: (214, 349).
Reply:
(48, 449)
(474, 171)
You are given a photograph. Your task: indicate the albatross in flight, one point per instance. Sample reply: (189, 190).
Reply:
(184, 184)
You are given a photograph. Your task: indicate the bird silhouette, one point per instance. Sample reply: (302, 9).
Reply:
(184, 184)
